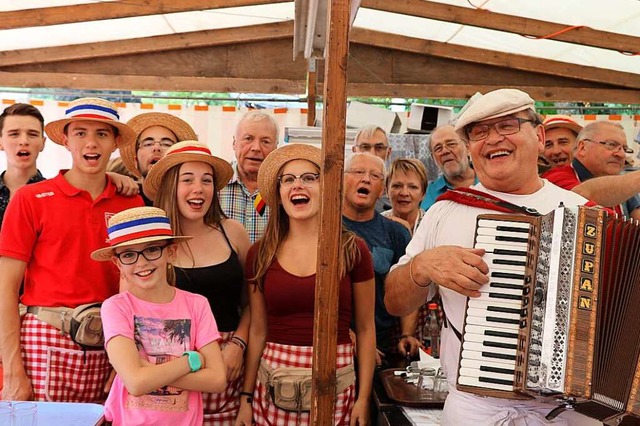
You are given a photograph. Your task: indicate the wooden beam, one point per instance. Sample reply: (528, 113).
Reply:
(325, 330)
(465, 91)
(189, 40)
(312, 90)
(113, 10)
(507, 23)
(130, 82)
(490, 57)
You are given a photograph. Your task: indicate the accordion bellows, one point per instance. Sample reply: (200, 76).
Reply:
(560, 314)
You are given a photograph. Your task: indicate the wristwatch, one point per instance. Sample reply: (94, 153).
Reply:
(194, 360)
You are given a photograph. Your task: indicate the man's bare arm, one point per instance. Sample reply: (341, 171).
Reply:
(610, 191)
(16, 384)
(459, 269)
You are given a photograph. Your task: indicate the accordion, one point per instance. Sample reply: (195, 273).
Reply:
(561, 313)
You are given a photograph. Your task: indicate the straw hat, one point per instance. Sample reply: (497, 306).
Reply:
(136, 226)
(556, 121)
(184, 152)
(271, 166)
(91, 109)
(141, 122)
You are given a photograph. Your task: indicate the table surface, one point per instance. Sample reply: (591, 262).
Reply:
(70, 413)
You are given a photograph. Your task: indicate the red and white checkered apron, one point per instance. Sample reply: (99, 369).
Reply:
(265, 413)
(221, 409)
(58, 368)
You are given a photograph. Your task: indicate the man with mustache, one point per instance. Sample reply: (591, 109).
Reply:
(600, 153)
(255, 137)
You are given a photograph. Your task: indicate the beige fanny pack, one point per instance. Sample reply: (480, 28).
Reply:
(83, 323)
(290, 388)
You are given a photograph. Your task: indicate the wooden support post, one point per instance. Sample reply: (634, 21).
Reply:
(327, 278)
(312, 90)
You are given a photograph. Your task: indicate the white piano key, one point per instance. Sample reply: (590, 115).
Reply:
(492, 297)
(481, 347)
(480, 357)
(498, 325)
(476, 364)
(486, 288)
(483, 304)
(472, 372)
(495, 259)
(473, 312)
(492, 240)
(490, 223)
(499, 233)
(493, 246)
(474, 381)
(488, 332)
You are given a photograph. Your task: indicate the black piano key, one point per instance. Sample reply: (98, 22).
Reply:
(499, 345)
(504, 309)
(510, 275)
(512, 229)
(505, 285)
(496, 381)
(505, 296)
(506, 252)
(509, 262)
(503, 320)
(496, 370)
(499, 356)
(496, 333)
(511, 239)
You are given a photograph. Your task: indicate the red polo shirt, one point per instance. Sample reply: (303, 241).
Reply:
(53, 227)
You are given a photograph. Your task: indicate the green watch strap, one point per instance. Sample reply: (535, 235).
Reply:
(194, 360)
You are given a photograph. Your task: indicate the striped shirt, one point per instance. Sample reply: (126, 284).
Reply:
(237, 203)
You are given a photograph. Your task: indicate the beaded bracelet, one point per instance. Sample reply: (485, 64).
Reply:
(413, 279)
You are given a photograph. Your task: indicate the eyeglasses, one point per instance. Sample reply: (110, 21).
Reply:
(509, 126)
(450, 145)
(130, 257)
(150, 143)
(360, 173)
(307, 179)
(612, 146)
(365, 147)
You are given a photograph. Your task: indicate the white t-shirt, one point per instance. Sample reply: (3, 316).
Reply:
(451, 223)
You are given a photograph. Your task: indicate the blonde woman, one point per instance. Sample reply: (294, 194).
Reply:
(406, 185)
(281, 271)
(185, 183)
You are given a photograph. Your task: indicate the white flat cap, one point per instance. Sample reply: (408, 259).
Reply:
(494, 104)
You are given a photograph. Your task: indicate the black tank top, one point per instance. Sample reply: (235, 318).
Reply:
(221, 284)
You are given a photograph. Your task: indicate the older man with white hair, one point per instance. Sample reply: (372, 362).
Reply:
(505, 137)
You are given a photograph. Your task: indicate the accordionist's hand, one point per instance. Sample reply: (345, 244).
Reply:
(459, 269)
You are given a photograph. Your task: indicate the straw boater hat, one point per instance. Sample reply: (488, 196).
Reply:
(136, 226)
(141, 122)
(494, 104)
(184, 152)
(271, 166)
(564, 121)
(91, 109)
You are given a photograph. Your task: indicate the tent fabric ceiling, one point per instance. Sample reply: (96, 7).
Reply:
(615, 16)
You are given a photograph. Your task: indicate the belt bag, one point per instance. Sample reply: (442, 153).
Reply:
(83, 323)
(290, 387)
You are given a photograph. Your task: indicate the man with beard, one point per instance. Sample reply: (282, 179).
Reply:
(451, 155)
(156, 132)
(255, 137)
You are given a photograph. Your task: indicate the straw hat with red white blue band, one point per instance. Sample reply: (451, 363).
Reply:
(561, 121)
(185, 152)
(141, 122)
(136, 226)
(91, 109)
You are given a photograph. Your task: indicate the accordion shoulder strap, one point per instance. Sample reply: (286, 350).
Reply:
(473, 197)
